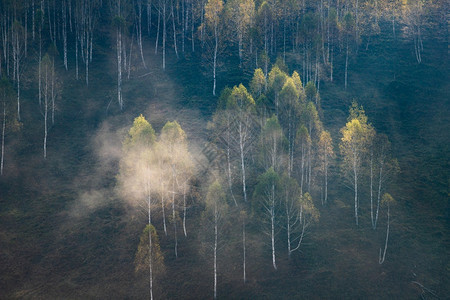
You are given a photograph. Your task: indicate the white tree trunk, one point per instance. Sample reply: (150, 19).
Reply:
(244, 250)
(371, 190)
(215, 249)
(355, 174)
(164, 36)
(381, 258)
(241, 148)
(119, 67)
(150, 264)
(3, 137)
(174, 217)
(174, 32)
(380, 181)
(346, 66)
(272, 227)
(230, 182)
(216, 45)
(163, 208)
(184, 211)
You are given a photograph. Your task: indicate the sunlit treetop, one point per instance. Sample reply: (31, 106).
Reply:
(240, 98)
(140, 134)
(277, 78)
(357, 112)
(172, 132)
(298, 83)
(258, 83)
(289, 93)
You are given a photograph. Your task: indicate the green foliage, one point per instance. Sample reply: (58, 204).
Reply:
(298, 84)
(213, 11)
(302, 136)
(309, 210)
(279, 62)
(277, 79)
(266, 191)
(142, 257)
(357, 112)
(311, 92)
(140, 134)
(387, 200)
(240, 99)
(215, 198)
(223, 98)
(173, 133)
(289, 93)
(258, 83)
(273, 144)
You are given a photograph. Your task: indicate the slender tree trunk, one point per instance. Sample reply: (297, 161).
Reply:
(216, 45)
(379, 195)
(381, 258)
(215, 249)
(244, 250)
(45, 113)
(241, 147)
(150, 264)
(53, 91)
(355, 174)
(184, 211)
(139, 32)
(157, 30)
(272, 226)
(174, 217)
(326, 179)
(174, 31)
(119, 67)
(164, 36)
(346, 65)
(371, 190)
(192, 26)
(3, 137)
(163, 206)
(230, 182)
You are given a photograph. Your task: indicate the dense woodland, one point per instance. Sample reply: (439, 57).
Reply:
(194, 149)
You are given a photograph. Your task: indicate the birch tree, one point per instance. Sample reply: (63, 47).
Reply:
(243, 106)
(18, 48)
(216, 208)
(354, 145)
(266, 204)
(179, 165)
(241, 16)
(326, 154)
(7, 98)
(136, 184)
(48, 81)
(388, 201)
(300, 215)
(149, 256)
(258, 83)
(272, 142)
(289, 116)
(383, 169)
(213, 23)
(303, 141)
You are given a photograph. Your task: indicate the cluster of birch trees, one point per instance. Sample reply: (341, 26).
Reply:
(321, 34)
(273, 157)
(268, 169)
(367, 160)
(155, 175)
